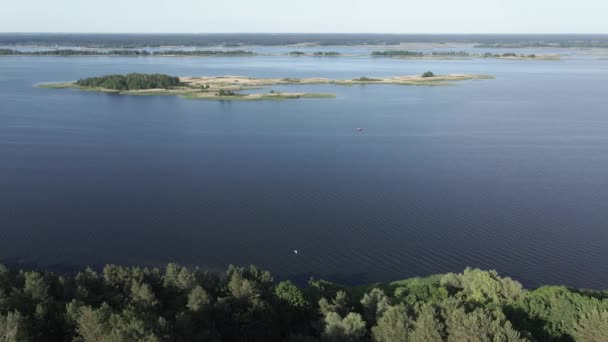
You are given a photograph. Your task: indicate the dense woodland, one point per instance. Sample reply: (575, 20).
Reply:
(245, 304)
(131, 81)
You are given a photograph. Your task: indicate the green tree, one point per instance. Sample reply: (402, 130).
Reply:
(12, 328)
(35, 286)
(338, 305)
(427, 328)
(395, 325)
(92, 325)
(198, 299)
(483, 286)
(479, 325)
(374, 304)
(348, 329)
(592, 327)
(142, 295)
(242, 289)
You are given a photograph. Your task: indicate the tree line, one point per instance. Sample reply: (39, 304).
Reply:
(393, 53)
(245, 304)
(73, 52)
(133, 81)
(240, 39)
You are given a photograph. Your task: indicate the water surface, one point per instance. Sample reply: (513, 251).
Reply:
(509, 173)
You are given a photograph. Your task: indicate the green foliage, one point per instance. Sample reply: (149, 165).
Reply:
(198, 299)
(339, 304)
(428, 74)
(287, 292)
(479, 325)
(131, 81)
(374, 304)
(396, 53)
(35, 286)
(450, 53)
(326, 53)
(428, 327)
(419, 291)
(13, 328)
(483, 286)
(592, 327)
(184, 304)
(224, 92)
(553, 312)
(367, 79)
(204, 53)
(395, 325)
(348, 329)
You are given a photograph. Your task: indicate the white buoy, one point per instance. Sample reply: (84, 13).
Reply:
(295, 251)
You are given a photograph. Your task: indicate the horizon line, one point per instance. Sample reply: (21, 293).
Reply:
(320, 33)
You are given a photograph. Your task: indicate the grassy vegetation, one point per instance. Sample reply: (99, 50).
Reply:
(367, 79)
(260, 97)
(58, 85)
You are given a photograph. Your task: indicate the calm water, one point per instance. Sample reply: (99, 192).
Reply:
(510, 173)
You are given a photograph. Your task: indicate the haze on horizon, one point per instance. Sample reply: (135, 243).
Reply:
(312, 16)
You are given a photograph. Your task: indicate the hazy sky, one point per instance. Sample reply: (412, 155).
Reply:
(394, 16)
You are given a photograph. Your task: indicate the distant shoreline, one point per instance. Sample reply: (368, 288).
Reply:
(397, 54)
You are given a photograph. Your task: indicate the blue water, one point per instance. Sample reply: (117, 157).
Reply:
(509, 174)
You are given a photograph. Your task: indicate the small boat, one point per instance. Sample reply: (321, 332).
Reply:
(359, 129)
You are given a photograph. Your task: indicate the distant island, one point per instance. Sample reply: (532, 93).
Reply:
(228, 87)
(176, 303)
(166, 53)
(406, 54)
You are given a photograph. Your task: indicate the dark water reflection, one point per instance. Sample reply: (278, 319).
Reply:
(509, 173)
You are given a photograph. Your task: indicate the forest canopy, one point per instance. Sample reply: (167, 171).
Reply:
(133, 81)
(245, 304)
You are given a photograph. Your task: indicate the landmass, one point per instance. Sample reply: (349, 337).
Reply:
(133, 53)
(100, 40)
(407, 54)
(228, 87)
(176, 303)
(403, 54)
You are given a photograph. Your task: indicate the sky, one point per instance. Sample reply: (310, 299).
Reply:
(311, 16)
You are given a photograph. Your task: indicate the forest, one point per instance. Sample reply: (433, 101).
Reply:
(177, 303)
(133, 81)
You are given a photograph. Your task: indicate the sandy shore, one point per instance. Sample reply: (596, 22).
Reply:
(243, 81)
(227, 87)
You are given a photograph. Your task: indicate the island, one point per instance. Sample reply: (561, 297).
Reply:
(406, 54)
(128, 53)
(230, 87)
